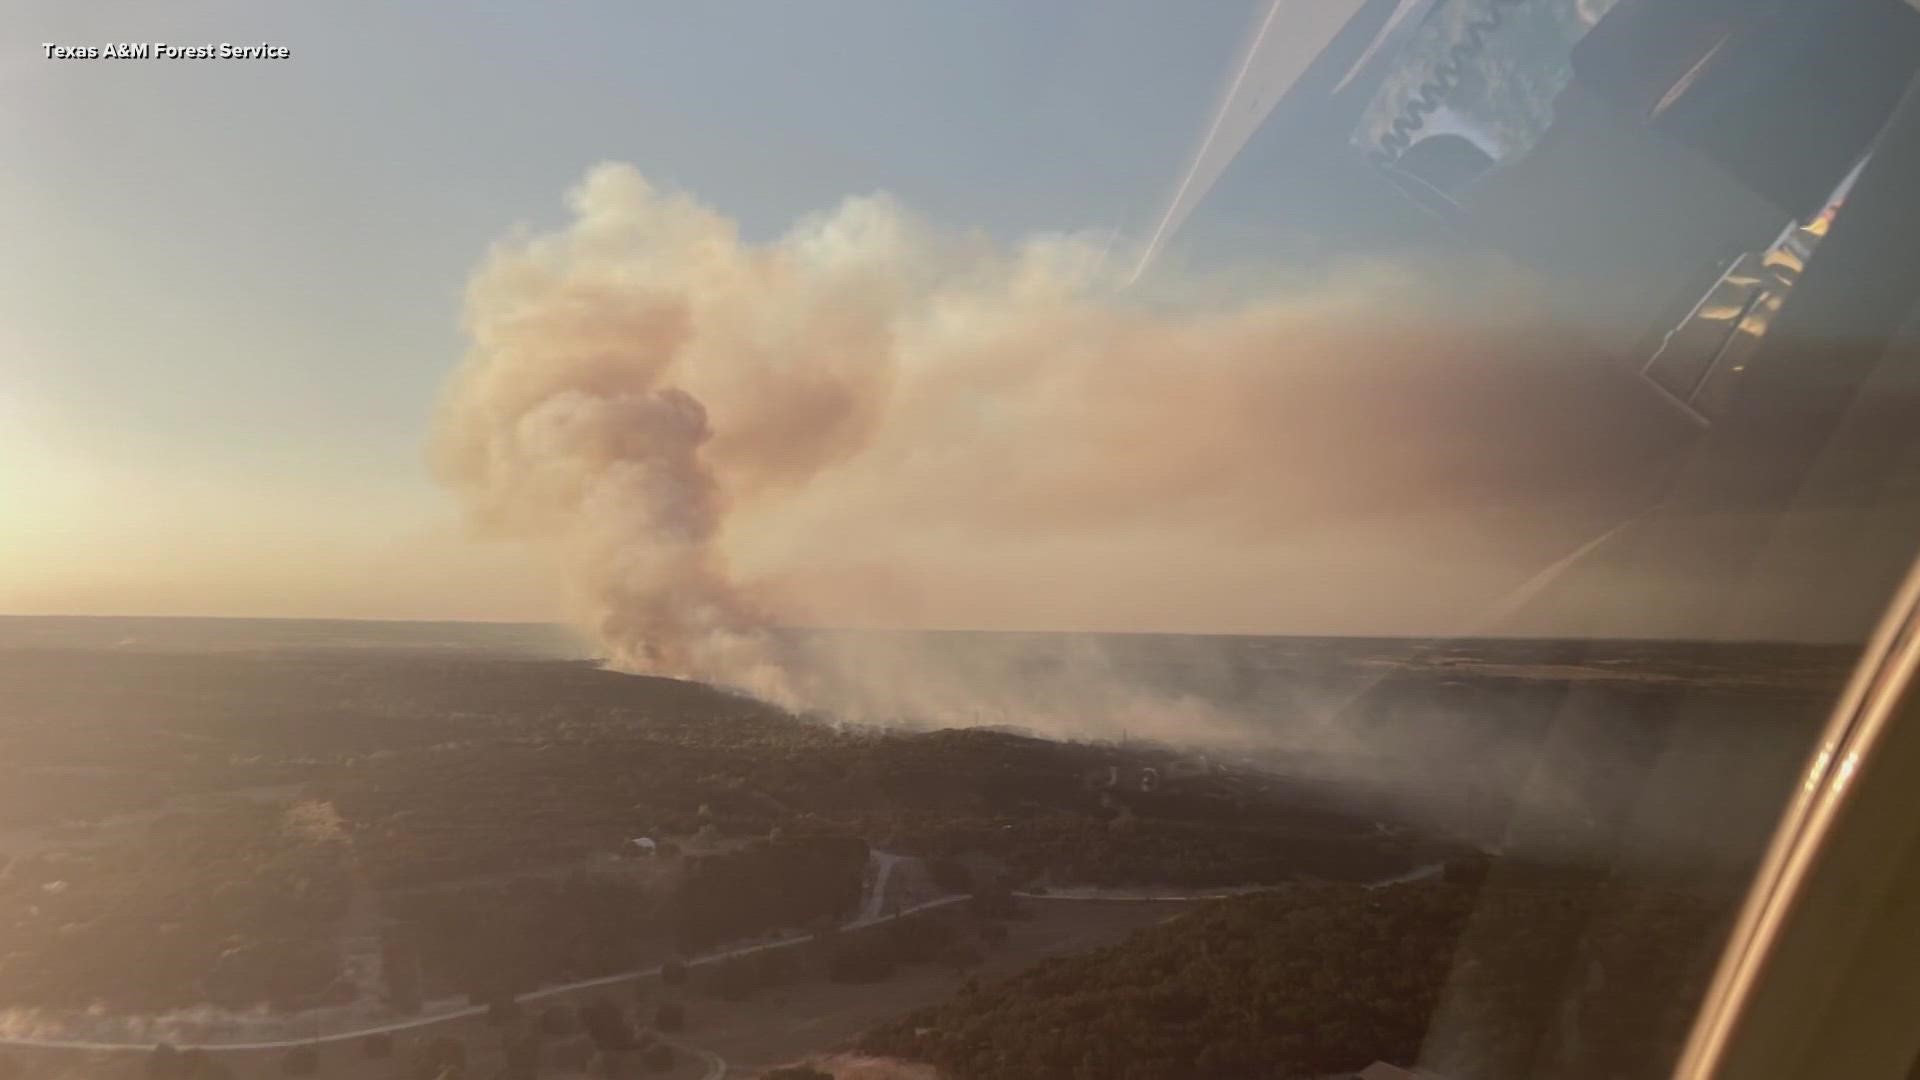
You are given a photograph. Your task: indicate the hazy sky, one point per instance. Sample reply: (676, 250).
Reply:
(230, 291)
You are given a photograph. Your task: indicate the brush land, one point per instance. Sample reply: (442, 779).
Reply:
(206, 845)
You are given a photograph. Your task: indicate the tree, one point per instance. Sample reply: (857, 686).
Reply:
(522, 1056)
(559, 1021)
(606, 1025)
(503, 1011)
(301, 1061)
(163, 1063)
(797, 1072)
(1468, 870)
(445, 1056)
(572, 1055)
(774, 967)
(859, 962)
(658, 1058)
(733, 980)
(1344, 975)
(918, 940)
(950, 875)
(400, 969)
(670, 1016)
(962, 955)
(993, 900)
(196, 1064)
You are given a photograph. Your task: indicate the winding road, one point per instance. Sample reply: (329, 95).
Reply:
(870, 914)
(716, 1065)
(876, 898)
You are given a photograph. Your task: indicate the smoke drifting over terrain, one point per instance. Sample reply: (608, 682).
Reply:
(871, 422)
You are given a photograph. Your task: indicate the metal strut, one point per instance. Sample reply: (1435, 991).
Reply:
(1433, 93)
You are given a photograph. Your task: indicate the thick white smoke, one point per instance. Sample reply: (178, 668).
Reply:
(869, 421)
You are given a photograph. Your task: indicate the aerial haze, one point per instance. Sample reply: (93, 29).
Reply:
(892, 540)
(277, 466)
(876, 421)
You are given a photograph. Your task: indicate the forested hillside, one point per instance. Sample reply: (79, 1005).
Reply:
(1543, 978)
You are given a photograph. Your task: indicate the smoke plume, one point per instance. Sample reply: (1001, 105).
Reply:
(869, 421)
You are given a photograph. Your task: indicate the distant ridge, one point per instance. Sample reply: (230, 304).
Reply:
(204, 633)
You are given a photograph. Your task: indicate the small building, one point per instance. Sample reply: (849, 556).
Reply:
(641, 847)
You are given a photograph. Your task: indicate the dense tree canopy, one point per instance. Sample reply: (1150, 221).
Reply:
(1307, 981)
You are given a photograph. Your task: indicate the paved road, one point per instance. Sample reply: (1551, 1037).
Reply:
(716, 1065)
(470, 1011)
(1092, 892)
(869, 915)
(877, 892)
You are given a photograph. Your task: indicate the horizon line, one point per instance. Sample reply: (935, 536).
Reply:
(822, 628)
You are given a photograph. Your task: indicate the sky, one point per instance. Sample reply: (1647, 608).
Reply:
(237, 297)
(230, 292)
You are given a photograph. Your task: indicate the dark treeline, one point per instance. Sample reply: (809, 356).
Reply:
(509, 938)
(232, 907)
(768, 884)
(449, 778)
(1132, 849)
(514, 937)
(1309, 981)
